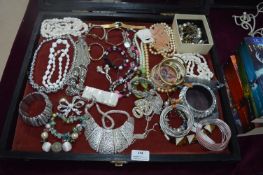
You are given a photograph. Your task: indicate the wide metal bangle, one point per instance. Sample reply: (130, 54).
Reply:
(40, 119)
(180, 131)
(207, 91)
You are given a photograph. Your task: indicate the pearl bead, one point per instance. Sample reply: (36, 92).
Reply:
(51, 50)
(64, 42)
(66, 146)
(54, 44)
(44, 135)
(51, 56)
(46, 146)
(48, 126)
(74, 136)
(167, 103)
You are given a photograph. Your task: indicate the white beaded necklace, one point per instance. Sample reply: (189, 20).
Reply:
(67, 26)
(197, 61)
(49, 86)
(46, 80)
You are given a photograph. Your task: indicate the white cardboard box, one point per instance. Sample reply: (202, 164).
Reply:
(187, 47)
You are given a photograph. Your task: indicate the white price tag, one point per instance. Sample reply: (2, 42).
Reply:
(140, 155)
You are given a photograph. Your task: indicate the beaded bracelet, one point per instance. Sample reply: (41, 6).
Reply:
(123, 80)
(190, 33)
(133, 52)
(67, 138)
(111, 64)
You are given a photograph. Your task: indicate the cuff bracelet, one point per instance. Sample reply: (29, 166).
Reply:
(40, 119)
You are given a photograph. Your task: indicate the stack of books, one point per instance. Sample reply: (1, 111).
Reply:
(244, 76)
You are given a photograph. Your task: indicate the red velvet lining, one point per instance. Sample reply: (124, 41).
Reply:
(27, 138)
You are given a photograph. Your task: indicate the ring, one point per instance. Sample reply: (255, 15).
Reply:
(40, 119)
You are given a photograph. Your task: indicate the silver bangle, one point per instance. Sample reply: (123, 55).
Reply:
(199, 113)
(40, 119)
(209, 143)
(180, 131)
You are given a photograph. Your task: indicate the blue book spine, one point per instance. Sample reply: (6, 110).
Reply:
(250, 53)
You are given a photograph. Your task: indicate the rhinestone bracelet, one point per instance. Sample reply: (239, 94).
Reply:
(183, 129)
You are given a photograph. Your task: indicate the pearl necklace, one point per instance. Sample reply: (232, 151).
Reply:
(162, 30)
(67, 26)
(49, 86)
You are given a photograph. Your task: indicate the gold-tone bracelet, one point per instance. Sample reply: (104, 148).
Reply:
(89, 51)
(92, 26)
(107, 37)
(168, 83)
(161, 87)
(122, 25)
(177, 66)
